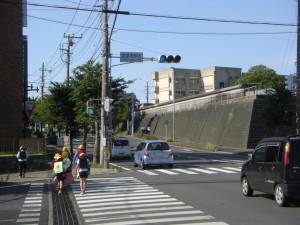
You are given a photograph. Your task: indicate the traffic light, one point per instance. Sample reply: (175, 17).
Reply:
(169, 59)
(107, 104)
(90, 107)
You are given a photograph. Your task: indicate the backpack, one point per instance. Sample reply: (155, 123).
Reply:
(83, 163)
(58, 167)
(22, 154)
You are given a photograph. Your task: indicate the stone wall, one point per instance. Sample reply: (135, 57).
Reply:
(233, 124)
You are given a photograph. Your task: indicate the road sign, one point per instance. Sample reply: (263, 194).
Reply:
(131, 57)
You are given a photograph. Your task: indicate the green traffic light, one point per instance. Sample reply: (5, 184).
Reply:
(90, 111)
(162, 59)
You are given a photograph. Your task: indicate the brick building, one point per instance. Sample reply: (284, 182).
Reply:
(12, 79)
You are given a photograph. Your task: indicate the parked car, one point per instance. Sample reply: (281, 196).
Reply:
(274, 168)
(121, 148)
(153, 152)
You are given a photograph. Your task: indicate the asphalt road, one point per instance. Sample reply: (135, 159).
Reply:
(210, 182)
(203, 188)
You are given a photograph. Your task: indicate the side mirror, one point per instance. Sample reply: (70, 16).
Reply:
(250, 156)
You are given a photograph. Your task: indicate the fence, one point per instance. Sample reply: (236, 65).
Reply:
(33, 145)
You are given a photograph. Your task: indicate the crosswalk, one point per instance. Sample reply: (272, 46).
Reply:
(31, 210)
(128, 201)
(191, 171)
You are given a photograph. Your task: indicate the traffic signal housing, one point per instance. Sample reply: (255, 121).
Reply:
(169, 59)
(90, 107)
(108, 104)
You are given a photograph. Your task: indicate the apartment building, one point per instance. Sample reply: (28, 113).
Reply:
(174, 83)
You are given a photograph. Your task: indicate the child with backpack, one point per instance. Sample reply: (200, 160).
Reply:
(83, 166)
(22, 157)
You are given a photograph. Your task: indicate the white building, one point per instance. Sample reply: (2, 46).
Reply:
(188, 82)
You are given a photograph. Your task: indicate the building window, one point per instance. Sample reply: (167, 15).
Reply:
(194, 81)
(221, 84)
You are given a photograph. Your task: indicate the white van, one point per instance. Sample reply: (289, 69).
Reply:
(121, 148)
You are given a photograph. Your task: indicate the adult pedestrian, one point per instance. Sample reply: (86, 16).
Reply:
(22, 157)
(76, 157)
(83, 166)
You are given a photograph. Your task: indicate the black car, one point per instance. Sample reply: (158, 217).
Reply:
(274, 167)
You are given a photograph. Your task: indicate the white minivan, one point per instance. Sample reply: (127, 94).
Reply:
(121, 148)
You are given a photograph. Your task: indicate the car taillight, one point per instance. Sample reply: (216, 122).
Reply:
(287, 153)
(171, 152)
(146, 153)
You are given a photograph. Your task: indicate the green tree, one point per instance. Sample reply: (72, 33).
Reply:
(277, 110)
(263, 76)
(87, 83)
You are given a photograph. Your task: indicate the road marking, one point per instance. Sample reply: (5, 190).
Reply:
(147, 172)
(103, 204)
(30, 211)
(203, 170)
(166, 171)
(220, 170)
(185, 171)
(232, 168)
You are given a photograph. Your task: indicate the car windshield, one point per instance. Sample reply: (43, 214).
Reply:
(158, 146)
(121, 142)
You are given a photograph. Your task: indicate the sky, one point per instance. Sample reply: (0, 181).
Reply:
(254, 32)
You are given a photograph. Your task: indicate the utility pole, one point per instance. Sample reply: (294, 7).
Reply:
(43, 79)
(147, 92)
(68, 53)
(104, 95)
(298, 73)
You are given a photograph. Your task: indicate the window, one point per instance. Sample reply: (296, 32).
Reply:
(221, 84)
(259, 154)
(272, 153)
(295, 153)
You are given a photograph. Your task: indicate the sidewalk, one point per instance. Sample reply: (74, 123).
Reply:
(62, 209)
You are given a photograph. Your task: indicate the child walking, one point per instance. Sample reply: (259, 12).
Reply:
(83, 167)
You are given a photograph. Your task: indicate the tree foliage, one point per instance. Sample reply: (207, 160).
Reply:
(263, 76)
(277, 110)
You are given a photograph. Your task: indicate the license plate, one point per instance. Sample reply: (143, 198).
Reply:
(121, 154)
(158, 154)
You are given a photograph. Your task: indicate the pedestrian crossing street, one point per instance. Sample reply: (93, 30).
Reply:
(31, 210)
(128, 201)
(191, 171)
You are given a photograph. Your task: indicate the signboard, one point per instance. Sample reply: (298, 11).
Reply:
(131, 57)
(29, 108)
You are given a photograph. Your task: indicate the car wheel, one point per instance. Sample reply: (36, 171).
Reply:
(142, 164)
(280, 197)
(247, 191)
(135, 164)
(170, 165)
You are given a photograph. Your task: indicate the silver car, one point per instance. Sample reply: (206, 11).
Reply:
(121, 148)
(153, 152)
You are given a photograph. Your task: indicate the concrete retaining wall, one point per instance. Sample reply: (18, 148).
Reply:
(235, 124)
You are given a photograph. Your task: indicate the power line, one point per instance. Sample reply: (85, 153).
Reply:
(157, 16)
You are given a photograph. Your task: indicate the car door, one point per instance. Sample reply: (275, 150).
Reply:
(256, 167)
(271, 167)
(138, 154)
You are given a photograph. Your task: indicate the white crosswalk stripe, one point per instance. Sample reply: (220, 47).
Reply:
(191, 171)
(124, 201)
(30, 212)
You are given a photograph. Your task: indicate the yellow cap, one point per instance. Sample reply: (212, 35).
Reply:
(65, 149)
(57, 156)
(65, 155)
(22, 147)
(80, 147)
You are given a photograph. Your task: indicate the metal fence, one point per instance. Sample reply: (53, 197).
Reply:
(12, 145)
